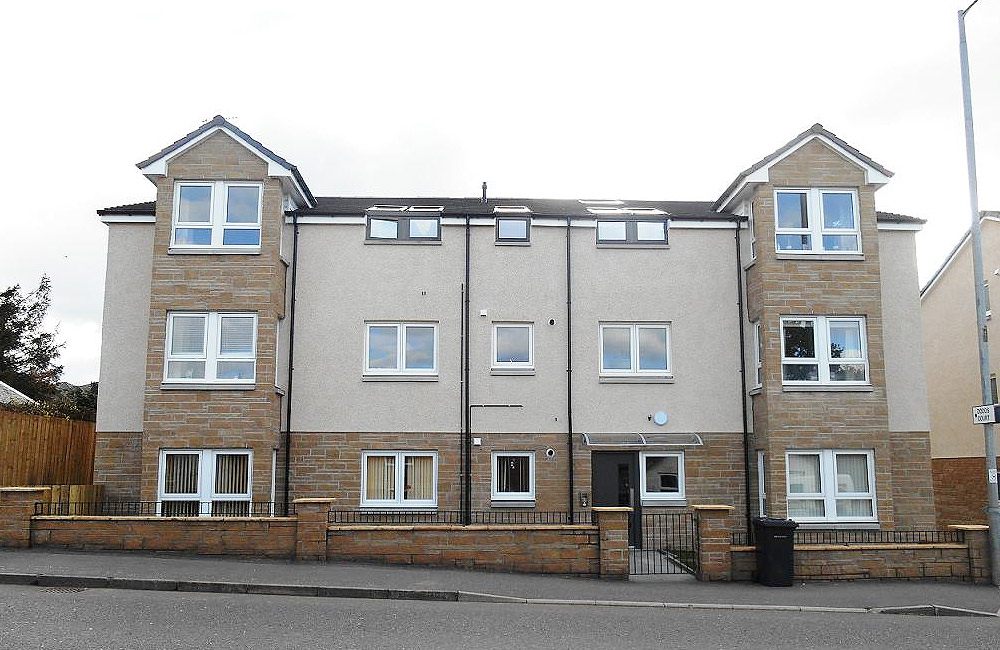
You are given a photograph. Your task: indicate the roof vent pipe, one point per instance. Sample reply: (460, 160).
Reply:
(484, 192)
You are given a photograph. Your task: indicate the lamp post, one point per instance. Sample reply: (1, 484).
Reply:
(993, 507)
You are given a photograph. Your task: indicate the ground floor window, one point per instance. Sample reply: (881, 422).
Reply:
(513, 476)
(831, 485)
(661, 476)
(204, 482)
(399, 479)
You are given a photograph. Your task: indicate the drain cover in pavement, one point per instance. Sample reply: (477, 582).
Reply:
(63, 590)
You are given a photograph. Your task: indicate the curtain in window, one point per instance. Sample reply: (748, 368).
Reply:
(513, 474)
(419, 478)
(854, 508)
(380, 480)
(804, 474)
(845, 340)
(180, 474)
(232, 474)
(188, 335)
(852, 473)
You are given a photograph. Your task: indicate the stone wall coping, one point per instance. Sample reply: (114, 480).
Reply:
(459, 527)
(611, 509)
(314, 500)
(863, 547)
(968, 527)
(25, 488)
(711, 508)
(204, 520)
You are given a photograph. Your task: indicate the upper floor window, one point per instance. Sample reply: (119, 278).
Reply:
(817, 221)
(513, 230)
(216, 215)
(513, 345)
(413, 224)
(211, 347)
(823, 350)
(632, 231)
(831, 485)
(635, 349)
(401, 349)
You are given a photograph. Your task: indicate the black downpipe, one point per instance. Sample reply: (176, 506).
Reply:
(461, 402)
(291, 358)
(743, 381)
(569, 363)
(467, 441)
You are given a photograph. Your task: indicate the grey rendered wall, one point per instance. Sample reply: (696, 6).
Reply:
(906, 386)
(125, 327)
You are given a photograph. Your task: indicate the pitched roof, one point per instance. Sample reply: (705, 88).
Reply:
(993, 215)
(146, 207)
(10, 395)
(892, 217)
(220, 122)
(815, 129)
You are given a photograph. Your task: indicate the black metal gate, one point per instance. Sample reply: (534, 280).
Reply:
(667, 543)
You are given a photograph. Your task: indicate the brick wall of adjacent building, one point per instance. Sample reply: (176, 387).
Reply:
(807, 285)
(516, 548)
(960, 495)
(118, 464)
(250, 283)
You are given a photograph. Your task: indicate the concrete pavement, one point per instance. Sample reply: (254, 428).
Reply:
(354, 580)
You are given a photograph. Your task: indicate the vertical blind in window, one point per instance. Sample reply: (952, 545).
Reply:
(852, 477)
(180, 474)
(381, 477)
(419, 478)
(232, 474)
(513, 474)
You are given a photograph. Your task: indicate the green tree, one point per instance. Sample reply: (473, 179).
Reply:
(28, 353)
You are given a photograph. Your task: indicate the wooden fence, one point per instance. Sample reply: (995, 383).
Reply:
(37, 450)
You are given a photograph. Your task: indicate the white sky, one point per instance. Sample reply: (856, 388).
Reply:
(545, 99)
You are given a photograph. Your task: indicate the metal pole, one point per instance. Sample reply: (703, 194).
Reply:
(993, 507)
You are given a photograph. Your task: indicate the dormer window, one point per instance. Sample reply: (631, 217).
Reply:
(387, 226)
(632, 232)
(217, 215)
(817, 221)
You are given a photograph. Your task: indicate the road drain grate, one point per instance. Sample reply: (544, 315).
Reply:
(63, 590)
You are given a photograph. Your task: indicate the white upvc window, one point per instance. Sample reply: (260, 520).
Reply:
(216, 214)
(513, 346)
(758, 356)
(400, 348)
(831, 485)
(817, 221)
(824, 350)
(399, 479)
(211, 347)
(204, 482)
(661, 476)
(753, 232)
(513, 476)
(635, 349)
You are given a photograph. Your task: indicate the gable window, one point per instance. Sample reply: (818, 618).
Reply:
(398, 479)
(216, 214)
(513, 345)
(513, 476)
(401, 224)
(831, 485)
(817, 221)
(211, 347)
(662, 476)
(635, 349)
(823, 350)
(204, 482)
(632, 231)
(401, 349)
(513, 229)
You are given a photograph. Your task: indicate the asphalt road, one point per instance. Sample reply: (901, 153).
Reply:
(37, 617)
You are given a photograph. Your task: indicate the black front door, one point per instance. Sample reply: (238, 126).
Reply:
(615, 481)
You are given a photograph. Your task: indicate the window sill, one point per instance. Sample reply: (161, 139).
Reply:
(827, 388)
(399, 377)
(206, 386)
(512, 371)
(756, 390)
(664, 503)
(822, 257)
(495, 503)
(215, 250)
(401, 242)
(279, 390)
(430, 510)
(645, 246)
(513, 243)
(840, 525)
(636, 379)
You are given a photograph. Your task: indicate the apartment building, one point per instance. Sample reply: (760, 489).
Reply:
(948, 311)
(415, 354)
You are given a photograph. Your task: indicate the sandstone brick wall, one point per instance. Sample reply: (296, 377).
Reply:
(876, 561)
(118, 464)
(520, 548)
(960, 490)
(260, 537)
(912, 483)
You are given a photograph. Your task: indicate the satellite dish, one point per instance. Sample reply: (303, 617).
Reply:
(660, 418)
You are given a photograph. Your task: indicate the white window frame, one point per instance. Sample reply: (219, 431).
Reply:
(662, 496)
(206, 479)
(761, 484)
(213, 354)
(495, 493)
(498, 365)
(634, 371)
(829, 489)
(400, 469)
(753, 231)
(217, 215)
(758, 356)
(814, 215)
(400, 370)
(821, 342)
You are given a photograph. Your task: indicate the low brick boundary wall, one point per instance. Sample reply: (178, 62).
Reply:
(242, 536)
(531, 548)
